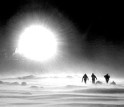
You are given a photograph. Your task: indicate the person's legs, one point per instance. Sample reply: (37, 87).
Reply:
(93, 81)
(107, 80)
(85, 81)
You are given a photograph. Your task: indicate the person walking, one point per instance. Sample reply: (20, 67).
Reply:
(107, 77)
(93, 76)
(85, 78)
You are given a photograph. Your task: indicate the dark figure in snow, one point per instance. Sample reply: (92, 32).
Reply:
(107, 76)
(85, 78)
(93, 78)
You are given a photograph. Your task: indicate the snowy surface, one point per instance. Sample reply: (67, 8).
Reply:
(32, 91)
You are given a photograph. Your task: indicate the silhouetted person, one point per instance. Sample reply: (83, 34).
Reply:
(85, 77)
(93, 78)
(107, 76)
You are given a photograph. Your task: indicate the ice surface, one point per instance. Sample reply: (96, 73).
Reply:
(68, 92)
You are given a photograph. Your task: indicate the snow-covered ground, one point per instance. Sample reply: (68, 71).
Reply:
(52, 91)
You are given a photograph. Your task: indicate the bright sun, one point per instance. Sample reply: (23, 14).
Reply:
(38, 43)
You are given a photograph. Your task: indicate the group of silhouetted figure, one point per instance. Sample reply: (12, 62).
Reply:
(94, 78)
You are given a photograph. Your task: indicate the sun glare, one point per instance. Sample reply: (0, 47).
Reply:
(38, 43)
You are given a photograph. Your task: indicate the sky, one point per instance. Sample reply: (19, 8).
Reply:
(91, 35)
